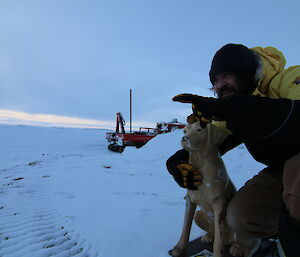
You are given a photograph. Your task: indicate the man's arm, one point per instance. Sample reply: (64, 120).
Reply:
(250, 116)
(263, 118)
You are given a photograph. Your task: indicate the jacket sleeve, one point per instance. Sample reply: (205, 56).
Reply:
(263, 118)
(229, 143)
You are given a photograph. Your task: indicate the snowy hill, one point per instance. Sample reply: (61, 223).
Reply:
(64, 194)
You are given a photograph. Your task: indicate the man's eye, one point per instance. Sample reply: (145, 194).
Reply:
(227, 73)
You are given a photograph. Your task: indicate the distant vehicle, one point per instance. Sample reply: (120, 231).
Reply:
(120, 139)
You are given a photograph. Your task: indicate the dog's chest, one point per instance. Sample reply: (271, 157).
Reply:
(214, 178)
(213, 186)
(203, 196)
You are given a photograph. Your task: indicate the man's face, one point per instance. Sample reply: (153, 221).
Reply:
(227, 84)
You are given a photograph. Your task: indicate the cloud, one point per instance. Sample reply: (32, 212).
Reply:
(22, 118)
(13, 117)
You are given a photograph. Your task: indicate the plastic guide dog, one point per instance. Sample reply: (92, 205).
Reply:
(212, 195)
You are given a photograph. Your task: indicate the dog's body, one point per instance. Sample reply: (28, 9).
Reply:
(212, 195)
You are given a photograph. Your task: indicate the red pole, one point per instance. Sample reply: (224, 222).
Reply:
(130, 111)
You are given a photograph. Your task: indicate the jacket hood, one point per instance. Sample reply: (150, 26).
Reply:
(272, 62)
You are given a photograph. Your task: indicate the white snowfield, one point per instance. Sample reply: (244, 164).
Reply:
(63, 193)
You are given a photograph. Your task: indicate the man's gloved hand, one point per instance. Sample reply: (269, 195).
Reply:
(205, 108)
(185, 174)
(191, 176)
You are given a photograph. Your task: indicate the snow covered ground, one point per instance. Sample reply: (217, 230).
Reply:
(64, 194)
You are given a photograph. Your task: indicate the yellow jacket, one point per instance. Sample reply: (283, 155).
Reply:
(275, 81)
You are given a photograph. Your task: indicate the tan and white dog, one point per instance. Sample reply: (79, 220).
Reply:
(212, 195)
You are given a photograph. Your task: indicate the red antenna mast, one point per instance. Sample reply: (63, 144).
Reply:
(130, 111)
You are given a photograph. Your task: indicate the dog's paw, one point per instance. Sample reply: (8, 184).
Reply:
(206, 239)
(236, 250)
(177, 252)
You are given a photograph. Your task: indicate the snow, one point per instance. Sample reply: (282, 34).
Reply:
(63, 193)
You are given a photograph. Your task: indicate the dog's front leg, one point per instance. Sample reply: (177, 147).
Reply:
(219, 218)
(181, 247)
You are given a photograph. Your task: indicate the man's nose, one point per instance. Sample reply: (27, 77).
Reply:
(220, 83)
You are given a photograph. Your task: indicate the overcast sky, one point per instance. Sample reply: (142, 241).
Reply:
(80, 58)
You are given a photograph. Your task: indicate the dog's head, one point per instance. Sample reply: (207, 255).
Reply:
(197, 137)
(194, 136)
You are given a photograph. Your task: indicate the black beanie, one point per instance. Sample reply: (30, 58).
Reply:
(234, 58)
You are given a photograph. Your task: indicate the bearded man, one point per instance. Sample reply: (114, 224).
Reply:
(258, 104)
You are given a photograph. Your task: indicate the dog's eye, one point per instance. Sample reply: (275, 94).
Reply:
(199, 129)
(184, 131)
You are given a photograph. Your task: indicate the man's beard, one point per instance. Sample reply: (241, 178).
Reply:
(227, 91)
(245, 87)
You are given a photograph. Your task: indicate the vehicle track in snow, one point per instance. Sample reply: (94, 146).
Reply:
(29, 224)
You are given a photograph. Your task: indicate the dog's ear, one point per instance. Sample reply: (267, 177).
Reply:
(215, 135)
(192, 119)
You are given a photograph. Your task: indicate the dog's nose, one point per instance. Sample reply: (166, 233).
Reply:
(184, 138)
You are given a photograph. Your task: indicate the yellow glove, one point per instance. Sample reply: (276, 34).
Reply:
(185, 174)
(190, 175)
